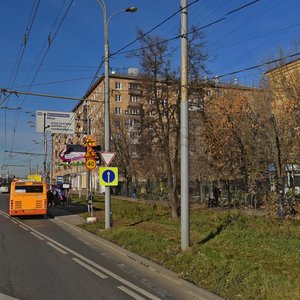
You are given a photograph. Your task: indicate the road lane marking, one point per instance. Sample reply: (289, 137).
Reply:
(14, 221)
(36, 235)
(6, 297)
(90, 262)
(130, 293)
(101, 275)
(23, 227)
(57, 248)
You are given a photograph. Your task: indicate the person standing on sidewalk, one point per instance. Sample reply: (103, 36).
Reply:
(50, 197)
(90, 202)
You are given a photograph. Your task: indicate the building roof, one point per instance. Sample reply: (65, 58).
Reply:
(205, 83)
(286, 65)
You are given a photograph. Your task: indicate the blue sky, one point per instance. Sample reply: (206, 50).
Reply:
(243, 39)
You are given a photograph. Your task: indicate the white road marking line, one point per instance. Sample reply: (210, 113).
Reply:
(25, 228)
(57, 248)
(6, 297)
(36, 235)
(14, 221)
(101, 275)
(120, 279)
(104, 270)
(130, 293)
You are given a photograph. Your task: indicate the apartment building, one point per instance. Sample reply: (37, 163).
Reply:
(126, 100)
(125, 95)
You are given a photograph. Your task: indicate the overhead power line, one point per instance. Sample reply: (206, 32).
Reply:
(10, 108)
(179, 36)
(242, 7)
(7, 91)
(155, 27)
(149, 31)
(258, 66)
(41, 62)
(26, 153)
(120, 51)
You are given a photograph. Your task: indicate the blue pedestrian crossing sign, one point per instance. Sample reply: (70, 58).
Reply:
(108, 176)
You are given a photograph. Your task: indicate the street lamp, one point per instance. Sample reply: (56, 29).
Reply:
(106, 99)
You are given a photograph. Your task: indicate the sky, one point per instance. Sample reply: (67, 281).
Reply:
(241, 34)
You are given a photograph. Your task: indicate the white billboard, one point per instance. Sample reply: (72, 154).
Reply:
(55, 122)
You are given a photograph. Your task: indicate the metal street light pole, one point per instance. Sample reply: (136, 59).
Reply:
(107, 100)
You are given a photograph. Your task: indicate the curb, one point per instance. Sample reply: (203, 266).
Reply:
(192, 289)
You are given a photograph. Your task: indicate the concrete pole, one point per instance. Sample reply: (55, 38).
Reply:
(88, 173)
(45, 149)
(106, 113)
(184, 132)
(52, 160)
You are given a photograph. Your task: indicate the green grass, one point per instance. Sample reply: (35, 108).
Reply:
(232, 254)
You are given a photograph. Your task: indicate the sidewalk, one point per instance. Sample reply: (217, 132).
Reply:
(68, 216)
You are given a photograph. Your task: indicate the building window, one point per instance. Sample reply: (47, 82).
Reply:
(134, 135)
(117, 136)
(133, 86)
(131, 122)
(118, 85)
(118, 98)
(118, 110)
(134, 111)
(134, 98)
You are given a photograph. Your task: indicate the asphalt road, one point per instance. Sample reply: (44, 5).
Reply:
(41, 260)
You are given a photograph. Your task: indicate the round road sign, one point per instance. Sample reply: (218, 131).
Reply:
(91, 164)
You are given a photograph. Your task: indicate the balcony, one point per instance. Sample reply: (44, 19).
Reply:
(133, 104)
(135, 92)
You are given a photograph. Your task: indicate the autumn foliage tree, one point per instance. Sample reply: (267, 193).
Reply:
(160, 109)
(236, 137)
(283, 90)
(248, 132)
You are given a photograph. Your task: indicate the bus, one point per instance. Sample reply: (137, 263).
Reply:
(28, 198)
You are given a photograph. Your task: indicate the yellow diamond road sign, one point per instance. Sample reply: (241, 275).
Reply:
(108, 176)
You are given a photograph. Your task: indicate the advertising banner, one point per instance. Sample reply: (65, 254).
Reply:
(76, 155)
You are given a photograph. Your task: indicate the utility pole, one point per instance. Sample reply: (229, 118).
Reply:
(45, 149)
(88, 177)
(106, 113)
(184, 131)
(52, 160)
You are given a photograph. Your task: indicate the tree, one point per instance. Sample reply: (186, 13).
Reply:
(236, 137)
(160, 110)
(284, 94)
(123, 143)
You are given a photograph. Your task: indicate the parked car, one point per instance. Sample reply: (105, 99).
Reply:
(4, 189)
